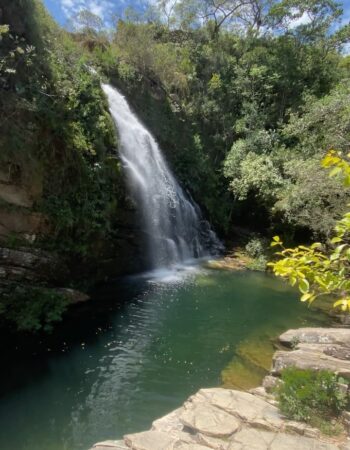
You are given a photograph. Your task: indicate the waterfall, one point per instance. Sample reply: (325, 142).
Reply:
(175, 229)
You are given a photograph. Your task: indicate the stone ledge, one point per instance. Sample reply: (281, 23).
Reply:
(224, 419)
(316, 349)
(340, 336)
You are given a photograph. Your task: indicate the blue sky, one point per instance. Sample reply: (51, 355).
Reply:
(61, 10)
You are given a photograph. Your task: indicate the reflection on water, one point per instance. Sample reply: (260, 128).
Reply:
(138, 351)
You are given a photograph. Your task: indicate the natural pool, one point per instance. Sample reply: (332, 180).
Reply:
(138, 350)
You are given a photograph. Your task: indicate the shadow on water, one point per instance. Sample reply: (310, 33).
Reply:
(82, 324)
(137, 351)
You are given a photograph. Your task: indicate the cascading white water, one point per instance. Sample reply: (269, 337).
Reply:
(175, 230)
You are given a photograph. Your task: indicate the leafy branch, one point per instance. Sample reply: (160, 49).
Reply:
(321, 269)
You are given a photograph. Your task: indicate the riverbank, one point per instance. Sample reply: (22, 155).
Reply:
(226, 419)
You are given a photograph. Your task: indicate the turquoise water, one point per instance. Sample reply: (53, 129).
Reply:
(134, 353)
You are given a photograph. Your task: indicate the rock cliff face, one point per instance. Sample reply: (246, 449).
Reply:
(21, 226)
(225, 419)
(17, 197)
(31, 258)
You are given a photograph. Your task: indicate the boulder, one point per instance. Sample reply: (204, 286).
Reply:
(270, 383)
(29, 264)
(340, 336)
(335, 350)
(306, 358)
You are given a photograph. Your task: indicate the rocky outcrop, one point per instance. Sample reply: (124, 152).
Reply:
(22, 224)
(315, 348)
(26, 264)
(224, 419)
(18, 194)
(227, 263)
(27, 268)
(339, 336)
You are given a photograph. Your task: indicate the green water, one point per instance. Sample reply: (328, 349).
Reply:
(137, 351)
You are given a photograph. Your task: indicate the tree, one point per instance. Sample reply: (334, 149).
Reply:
(321, 269)
(88, 22)
(167, 10)
(220, 14)
(307, 17)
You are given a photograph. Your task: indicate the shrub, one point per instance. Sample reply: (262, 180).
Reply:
(31, 308)
(311, 396)
(259, 263)
(256, 247)
(319, 269)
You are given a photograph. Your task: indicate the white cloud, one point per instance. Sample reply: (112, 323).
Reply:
(304, 19)
(102, 8)
(346, 49)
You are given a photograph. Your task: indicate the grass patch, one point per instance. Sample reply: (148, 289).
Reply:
(314, 397)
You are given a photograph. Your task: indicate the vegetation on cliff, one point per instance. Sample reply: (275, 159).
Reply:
(58, 146)
(245, 106)
(55, 125)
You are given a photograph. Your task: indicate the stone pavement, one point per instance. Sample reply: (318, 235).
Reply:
(224, 419)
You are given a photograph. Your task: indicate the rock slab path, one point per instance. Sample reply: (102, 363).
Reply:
(224, 419)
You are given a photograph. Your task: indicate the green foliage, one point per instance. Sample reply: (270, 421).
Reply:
(319, 269)
(88, 22)
(14, 54)
(310, 202)
(84, 212)
(259, 263)
(144, 47)
(32, 309)
(243, 115)
(311, 396)
(274, 167)
(234, 99)
(251, 168)
(56, 127)
(257, 249)
(252, 108)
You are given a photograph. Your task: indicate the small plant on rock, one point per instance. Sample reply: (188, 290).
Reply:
(256, 249)
(315, 397)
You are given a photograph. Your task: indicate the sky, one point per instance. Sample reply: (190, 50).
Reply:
(62, 10)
